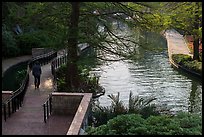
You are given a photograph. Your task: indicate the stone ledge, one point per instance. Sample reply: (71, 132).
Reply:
(80, 115)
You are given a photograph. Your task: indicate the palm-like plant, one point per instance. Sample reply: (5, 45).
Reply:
(136, 104)
(117, 105)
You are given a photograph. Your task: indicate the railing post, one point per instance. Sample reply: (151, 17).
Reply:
(47, 109)
(55, 63)
(9, 109)
(50, 101)
(44, 113)
(20, 99)
(58, 62)
(5, 111)
(17, 101)
(12, 103)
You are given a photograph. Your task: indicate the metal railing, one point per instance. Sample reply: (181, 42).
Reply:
(47, 107)
(56, 63)
(12, 104)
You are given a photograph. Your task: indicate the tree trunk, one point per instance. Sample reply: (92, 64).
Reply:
(196, 48)
(72, 75)
(196, 39)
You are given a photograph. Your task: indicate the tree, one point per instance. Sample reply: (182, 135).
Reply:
(106, 42)
(72, 77)
(92, 23)
(187, 17)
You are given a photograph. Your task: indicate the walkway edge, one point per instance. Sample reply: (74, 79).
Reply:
(176, 65)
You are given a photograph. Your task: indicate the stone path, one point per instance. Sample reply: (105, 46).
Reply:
(7, 63)
(176, 43)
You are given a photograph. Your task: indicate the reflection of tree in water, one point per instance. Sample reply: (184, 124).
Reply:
(195, 98)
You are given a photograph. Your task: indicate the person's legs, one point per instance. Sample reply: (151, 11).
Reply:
(38, 81)
(35, 81)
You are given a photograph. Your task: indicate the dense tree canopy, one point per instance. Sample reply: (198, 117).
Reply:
(64, 25)
(185, 17)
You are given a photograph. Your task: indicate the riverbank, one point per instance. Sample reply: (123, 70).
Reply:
(151, 75)
(177, 45)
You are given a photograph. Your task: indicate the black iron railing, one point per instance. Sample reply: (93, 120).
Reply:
(56, 63)
(12, 104)
(47, 107)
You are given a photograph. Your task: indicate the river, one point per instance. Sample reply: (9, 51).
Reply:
(151, 75)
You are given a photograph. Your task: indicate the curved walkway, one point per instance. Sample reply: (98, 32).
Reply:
(7, 63)
(28, 120)
(176, 43)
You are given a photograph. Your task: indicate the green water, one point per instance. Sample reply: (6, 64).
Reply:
(151, 75)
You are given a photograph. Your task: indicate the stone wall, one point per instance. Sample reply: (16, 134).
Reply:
(65, 105)
(40, 51)
(37, 51)
(6, 95)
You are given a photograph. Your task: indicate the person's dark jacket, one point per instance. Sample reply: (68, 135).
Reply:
(36, 71)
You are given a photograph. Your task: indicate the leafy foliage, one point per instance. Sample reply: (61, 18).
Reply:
(133, 124)
(9, 47)
(20, 76)
(35, 39)
(186, 61)
(136, 105)
(88, 82)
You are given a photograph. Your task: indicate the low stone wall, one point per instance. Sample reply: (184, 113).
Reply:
(39, 51)
(6, 95)
(77, 104)
(80, 121)
(65, 103)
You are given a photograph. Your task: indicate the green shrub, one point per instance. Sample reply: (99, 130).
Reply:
(200, 56)
(35, 39)
(61, 74)
(186, 61)
(136, 105)
(180, 58)
(9, 47)
(27, 41)
(133, 124)
(88, 82)
(20, 76)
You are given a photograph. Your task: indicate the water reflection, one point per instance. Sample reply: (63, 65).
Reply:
(151, 75)
(195, 99)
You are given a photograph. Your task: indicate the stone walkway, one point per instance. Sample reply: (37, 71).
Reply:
(28, 120)
(7, 63)
(176, 43)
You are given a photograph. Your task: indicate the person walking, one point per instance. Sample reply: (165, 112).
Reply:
(36, 71)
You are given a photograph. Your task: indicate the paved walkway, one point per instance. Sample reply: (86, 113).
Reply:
(7, 63)
(176, 43)
(28, 120)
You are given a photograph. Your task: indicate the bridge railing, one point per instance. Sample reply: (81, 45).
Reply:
(47, 107)
(56, 63)
(13, 103)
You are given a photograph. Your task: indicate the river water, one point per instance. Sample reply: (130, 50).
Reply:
(151, 75)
